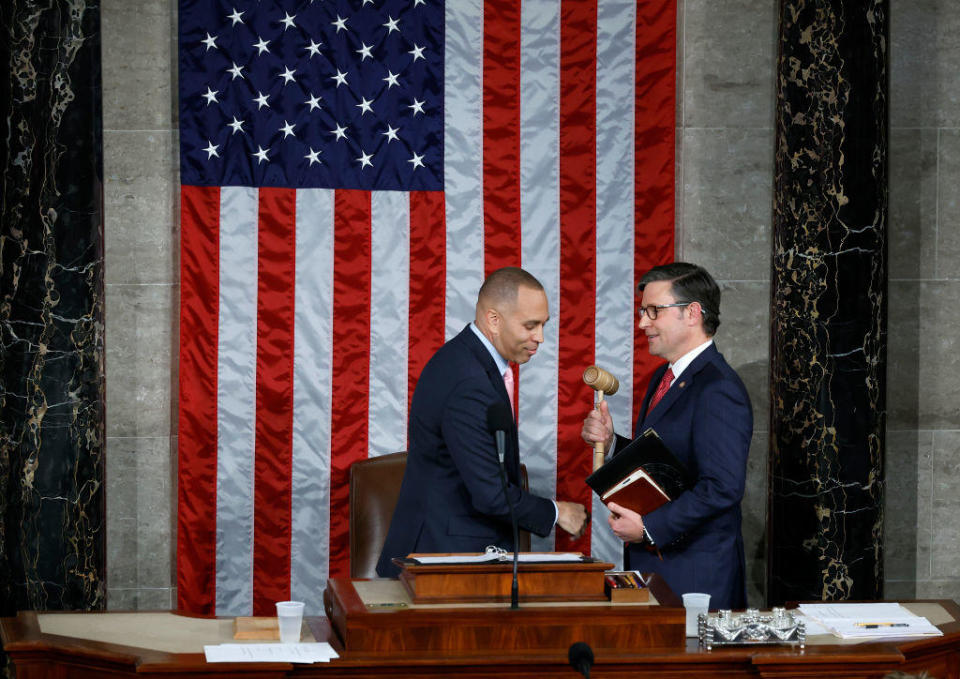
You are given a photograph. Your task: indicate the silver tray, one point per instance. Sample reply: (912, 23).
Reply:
(751, 628)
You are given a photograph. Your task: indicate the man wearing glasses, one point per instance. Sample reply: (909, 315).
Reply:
(700, 408)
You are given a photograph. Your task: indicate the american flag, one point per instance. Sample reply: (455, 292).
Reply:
(350, 171)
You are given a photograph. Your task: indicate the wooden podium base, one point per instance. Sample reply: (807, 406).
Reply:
(491, 582)
(438, 631)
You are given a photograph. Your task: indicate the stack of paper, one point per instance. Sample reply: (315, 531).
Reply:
(869, 621)
(303, 653)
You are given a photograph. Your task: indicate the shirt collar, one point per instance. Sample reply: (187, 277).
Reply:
(684, 361)
(502, 363)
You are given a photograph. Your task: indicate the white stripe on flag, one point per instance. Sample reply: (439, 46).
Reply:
(236, 402)
(389, 321)
(463, 160)
(616, 38)
(312, 391)
(540, 240)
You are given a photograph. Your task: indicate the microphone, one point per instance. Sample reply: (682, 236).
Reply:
(580, 656)
(499, 420)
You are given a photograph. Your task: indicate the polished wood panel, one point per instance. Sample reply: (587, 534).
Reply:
(482, 583)
(39, 656)
(444, 631)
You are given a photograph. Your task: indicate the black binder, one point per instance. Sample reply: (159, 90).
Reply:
(651, 453)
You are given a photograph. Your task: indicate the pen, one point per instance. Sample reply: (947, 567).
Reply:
(875, 625)
(388, 605)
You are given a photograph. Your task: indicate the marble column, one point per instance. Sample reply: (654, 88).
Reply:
(51, 307)
(829, 302)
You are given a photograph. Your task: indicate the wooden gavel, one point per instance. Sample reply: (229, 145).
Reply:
(603, 383)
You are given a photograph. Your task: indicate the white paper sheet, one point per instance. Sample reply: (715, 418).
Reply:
(869, 621)
(525, 557)
(295, 653)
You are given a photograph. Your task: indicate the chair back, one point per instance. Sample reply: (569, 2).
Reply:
(374, 489)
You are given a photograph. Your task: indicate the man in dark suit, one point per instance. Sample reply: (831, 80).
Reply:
(700, 408)
(451, 498)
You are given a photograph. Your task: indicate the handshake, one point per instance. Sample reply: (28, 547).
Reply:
(572, 517)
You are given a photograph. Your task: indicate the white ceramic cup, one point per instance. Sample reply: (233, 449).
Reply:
(695, 603)
(290, 619)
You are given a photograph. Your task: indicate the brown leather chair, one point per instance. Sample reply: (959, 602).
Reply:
(374, 489)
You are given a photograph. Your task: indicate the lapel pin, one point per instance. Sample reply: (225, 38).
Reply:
(682, 385)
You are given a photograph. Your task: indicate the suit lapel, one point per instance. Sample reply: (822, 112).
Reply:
(512, 460)
(678, 389)
(486, 360)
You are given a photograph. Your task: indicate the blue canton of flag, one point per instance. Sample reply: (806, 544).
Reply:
(319, 94)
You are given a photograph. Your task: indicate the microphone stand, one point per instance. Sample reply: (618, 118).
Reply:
(514, 586)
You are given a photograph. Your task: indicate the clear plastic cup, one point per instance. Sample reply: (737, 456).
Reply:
(290, 620)
(695, 603)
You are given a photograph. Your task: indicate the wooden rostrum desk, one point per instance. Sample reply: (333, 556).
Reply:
(165, 644)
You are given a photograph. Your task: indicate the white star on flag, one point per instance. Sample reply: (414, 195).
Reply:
(261, 154)
(261, 45)
(313, 102)
(364, 106)
(364, 51)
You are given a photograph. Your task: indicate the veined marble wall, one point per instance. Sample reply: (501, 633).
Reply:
(725, 142)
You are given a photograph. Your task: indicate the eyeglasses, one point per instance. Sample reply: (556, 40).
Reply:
(651, 310)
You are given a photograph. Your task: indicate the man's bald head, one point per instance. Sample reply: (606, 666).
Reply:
(501, 286)
(512, 309)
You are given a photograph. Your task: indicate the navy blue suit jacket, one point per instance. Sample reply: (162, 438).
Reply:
(705, 418)
(451, 498)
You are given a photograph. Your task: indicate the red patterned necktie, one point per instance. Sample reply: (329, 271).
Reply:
(508, 383)
(665, 383)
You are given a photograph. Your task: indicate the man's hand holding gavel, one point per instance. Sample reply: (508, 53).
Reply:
(598, 426)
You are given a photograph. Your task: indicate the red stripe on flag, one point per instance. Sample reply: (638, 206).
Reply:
(197, 464)
(501, 134)
(351, 361)
(578, 201)
(655, 158)
(428, 276)
(273, 430)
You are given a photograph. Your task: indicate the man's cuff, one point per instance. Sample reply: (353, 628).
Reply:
(556, 512)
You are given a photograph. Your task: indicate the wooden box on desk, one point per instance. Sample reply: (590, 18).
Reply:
(479, 630)
(491, 581)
